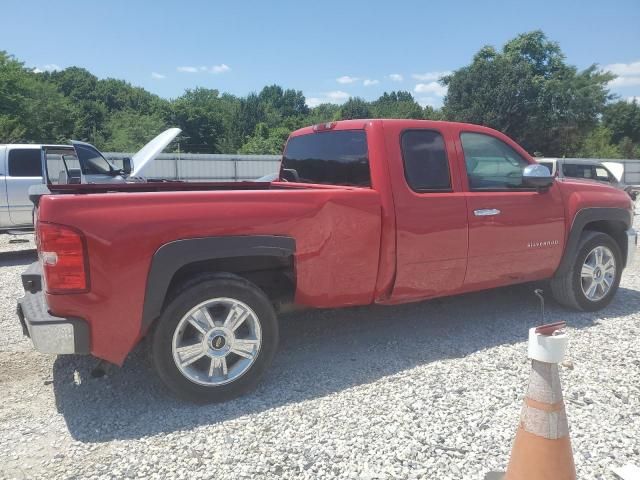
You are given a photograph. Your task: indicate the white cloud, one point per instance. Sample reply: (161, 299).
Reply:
(346, 79)
(429, 76)
(429, 101)
(50, 67)
(432, 87)
(222, 68)
(367, 82)
(157, 76)
(625, 82)
(624, 69)
(628, 74)
(396, 77)
(313, 102)
(336, 96)
(635, 98)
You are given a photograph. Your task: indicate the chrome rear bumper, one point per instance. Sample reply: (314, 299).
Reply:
(49, 334)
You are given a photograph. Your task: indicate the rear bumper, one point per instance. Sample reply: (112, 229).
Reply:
(49, 334)
(632, 244)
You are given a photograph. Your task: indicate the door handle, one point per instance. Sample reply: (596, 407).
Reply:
(486, 212)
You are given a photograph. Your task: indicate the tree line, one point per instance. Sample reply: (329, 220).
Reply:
(526, 90)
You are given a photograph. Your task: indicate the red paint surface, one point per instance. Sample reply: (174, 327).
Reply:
(355, 246)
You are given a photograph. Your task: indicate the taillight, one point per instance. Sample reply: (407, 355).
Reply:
(63, 256)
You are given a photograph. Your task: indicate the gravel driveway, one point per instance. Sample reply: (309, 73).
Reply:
(430, 390)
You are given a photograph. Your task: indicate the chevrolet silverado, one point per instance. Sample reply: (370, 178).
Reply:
(364, 211)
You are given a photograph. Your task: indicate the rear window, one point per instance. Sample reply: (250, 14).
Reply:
(25, 163)
(334, 158)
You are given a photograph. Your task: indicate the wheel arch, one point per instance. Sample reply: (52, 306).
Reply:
(612, 221)
(266, 260)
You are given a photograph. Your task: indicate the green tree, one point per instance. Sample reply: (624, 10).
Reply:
(325, 112)
(247, 115)
(266, 141)
(354, 108)
(629, 149)
(399, 104)
(528, 92)
(598, 144)
(286, 103)
(127, 131)
(623, 119)
(119, 95)
(30, 107)
(199, 114)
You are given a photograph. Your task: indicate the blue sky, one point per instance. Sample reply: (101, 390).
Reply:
(328, 49)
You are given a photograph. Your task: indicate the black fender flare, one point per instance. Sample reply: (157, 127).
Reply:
(172, 256)
(583, 218)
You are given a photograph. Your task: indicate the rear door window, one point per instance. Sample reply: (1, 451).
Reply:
(426, 166)
(25, 162)
(334, 158)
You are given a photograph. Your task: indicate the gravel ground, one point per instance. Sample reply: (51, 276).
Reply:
(430, 390)
(16, 242)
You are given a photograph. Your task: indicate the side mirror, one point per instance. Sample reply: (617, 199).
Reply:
(536, 176)
(127, 165)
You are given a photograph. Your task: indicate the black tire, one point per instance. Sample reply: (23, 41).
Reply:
(567, 289)
(192, 293)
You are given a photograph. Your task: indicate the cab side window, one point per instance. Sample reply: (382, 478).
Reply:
(491, 163)
(426, 166)
(25, 162)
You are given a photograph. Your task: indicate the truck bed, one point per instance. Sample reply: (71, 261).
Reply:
(337, 232)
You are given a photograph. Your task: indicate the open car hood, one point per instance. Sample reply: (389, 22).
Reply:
(152, 149)
(616, 168)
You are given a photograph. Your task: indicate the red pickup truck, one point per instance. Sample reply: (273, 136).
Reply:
(366, 211)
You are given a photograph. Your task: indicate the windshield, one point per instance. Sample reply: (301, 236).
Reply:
(333, 158)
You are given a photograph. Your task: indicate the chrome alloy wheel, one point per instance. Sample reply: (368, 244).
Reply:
(217, 341)
(598, 273)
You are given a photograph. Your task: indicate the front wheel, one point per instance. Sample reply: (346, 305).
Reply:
(215, 339)
(593, 279)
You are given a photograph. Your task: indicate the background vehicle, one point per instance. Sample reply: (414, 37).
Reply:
(21, 166)
(375, 211)
(585, 168)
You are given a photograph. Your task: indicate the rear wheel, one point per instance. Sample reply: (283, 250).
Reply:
(593, 279)
(215, 339)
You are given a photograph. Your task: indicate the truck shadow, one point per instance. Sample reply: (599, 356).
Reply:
(321, 352)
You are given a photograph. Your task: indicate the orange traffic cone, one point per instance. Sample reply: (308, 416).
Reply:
(542, 449)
